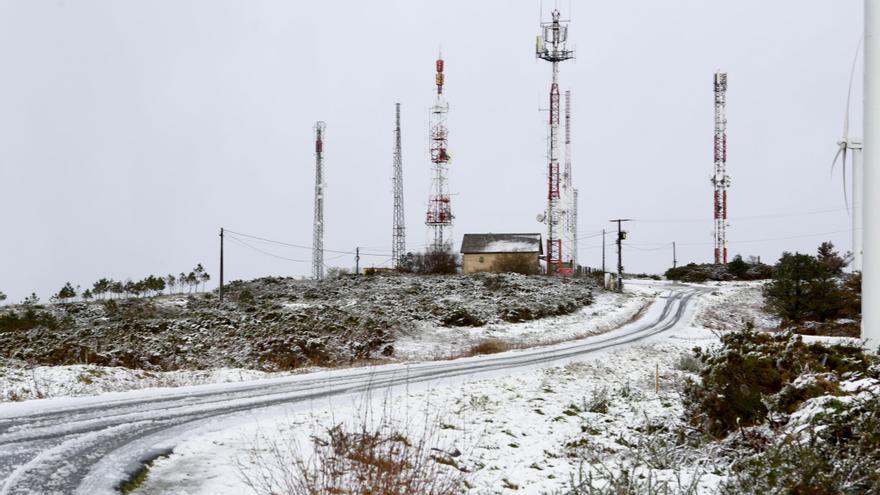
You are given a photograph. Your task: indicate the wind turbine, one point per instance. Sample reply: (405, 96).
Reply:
(845, 145)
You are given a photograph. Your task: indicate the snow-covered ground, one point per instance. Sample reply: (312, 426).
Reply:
(431, 341)
(41, 382)
(526, 433)
(529, 432)
(732, 305)
(610, 310)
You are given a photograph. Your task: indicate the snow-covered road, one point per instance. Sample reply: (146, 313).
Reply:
(90, 445)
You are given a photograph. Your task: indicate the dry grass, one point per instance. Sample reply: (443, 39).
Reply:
(489, 346)
(368, 456)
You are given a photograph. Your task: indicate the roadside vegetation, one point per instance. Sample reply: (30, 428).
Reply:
(812, 294)
(737, 269)
(793, 417)
(369, 455)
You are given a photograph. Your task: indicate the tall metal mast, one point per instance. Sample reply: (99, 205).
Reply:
(569, 193)
(318, 232)
(398, 235)
(551, 46)
(439, 217)
(720, 180)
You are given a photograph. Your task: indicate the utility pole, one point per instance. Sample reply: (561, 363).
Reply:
(621, 235)
(674, 260)
(357, 261)
(603, 252)
(221, 264)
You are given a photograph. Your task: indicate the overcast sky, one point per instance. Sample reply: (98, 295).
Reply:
(131, 131)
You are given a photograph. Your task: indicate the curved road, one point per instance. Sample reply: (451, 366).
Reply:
(89, 445)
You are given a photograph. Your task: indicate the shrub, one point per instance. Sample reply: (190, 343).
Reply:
(30, 318)
(750, 367)
(436, 262)
(808, 288)
(837, 453)
(516, 263)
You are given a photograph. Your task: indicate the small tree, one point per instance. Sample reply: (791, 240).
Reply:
(738, 267)
(170, 282)
(436, 261)
(66, 293)
(31, 300)
(807, 288)
(117, 288)
(2, 296)
(87, 295)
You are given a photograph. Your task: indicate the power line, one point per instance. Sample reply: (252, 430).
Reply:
(267, 253)
(300, 246)
(747, 217)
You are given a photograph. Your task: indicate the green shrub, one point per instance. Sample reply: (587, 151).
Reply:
(11, 321)
(753, 366)
(813, 288)
(838, 453)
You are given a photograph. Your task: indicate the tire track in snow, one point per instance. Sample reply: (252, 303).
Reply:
(91, 445)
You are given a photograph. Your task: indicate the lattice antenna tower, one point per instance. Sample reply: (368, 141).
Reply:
(720, 180)
(318, 230)
(398, 235)
(552, 47)
(439, 218)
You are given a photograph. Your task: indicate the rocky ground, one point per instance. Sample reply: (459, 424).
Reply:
(275, 324)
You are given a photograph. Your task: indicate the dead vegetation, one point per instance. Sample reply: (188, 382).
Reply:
(366, 456)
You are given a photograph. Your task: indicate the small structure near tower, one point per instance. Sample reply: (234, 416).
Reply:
(439, 217)
(501, 252)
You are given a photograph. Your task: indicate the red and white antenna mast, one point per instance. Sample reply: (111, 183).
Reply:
(551, 46)
(439, 217)
(721, 181)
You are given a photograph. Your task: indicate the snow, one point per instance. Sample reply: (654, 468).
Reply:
(734, 304)
(610, 310)
(522, 428)
(510, 247)
(40, 382)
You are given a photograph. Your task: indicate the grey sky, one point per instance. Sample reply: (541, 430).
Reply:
(131, 131)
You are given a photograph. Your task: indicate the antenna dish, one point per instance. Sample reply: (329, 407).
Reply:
(540, 217)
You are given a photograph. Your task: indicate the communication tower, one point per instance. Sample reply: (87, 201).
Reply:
(552, 47)
(720, 180)
(398, 240)
(318, 231)
(439, 218)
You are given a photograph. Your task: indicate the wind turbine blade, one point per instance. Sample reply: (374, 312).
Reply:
(834, 162)
(845, 197)
(852, 73)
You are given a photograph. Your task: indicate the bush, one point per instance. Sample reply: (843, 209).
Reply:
(436, 262)
(740, 381)
(738, 269)
(838, 453)
(515, 263)
(30, 318)
(808, 288)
